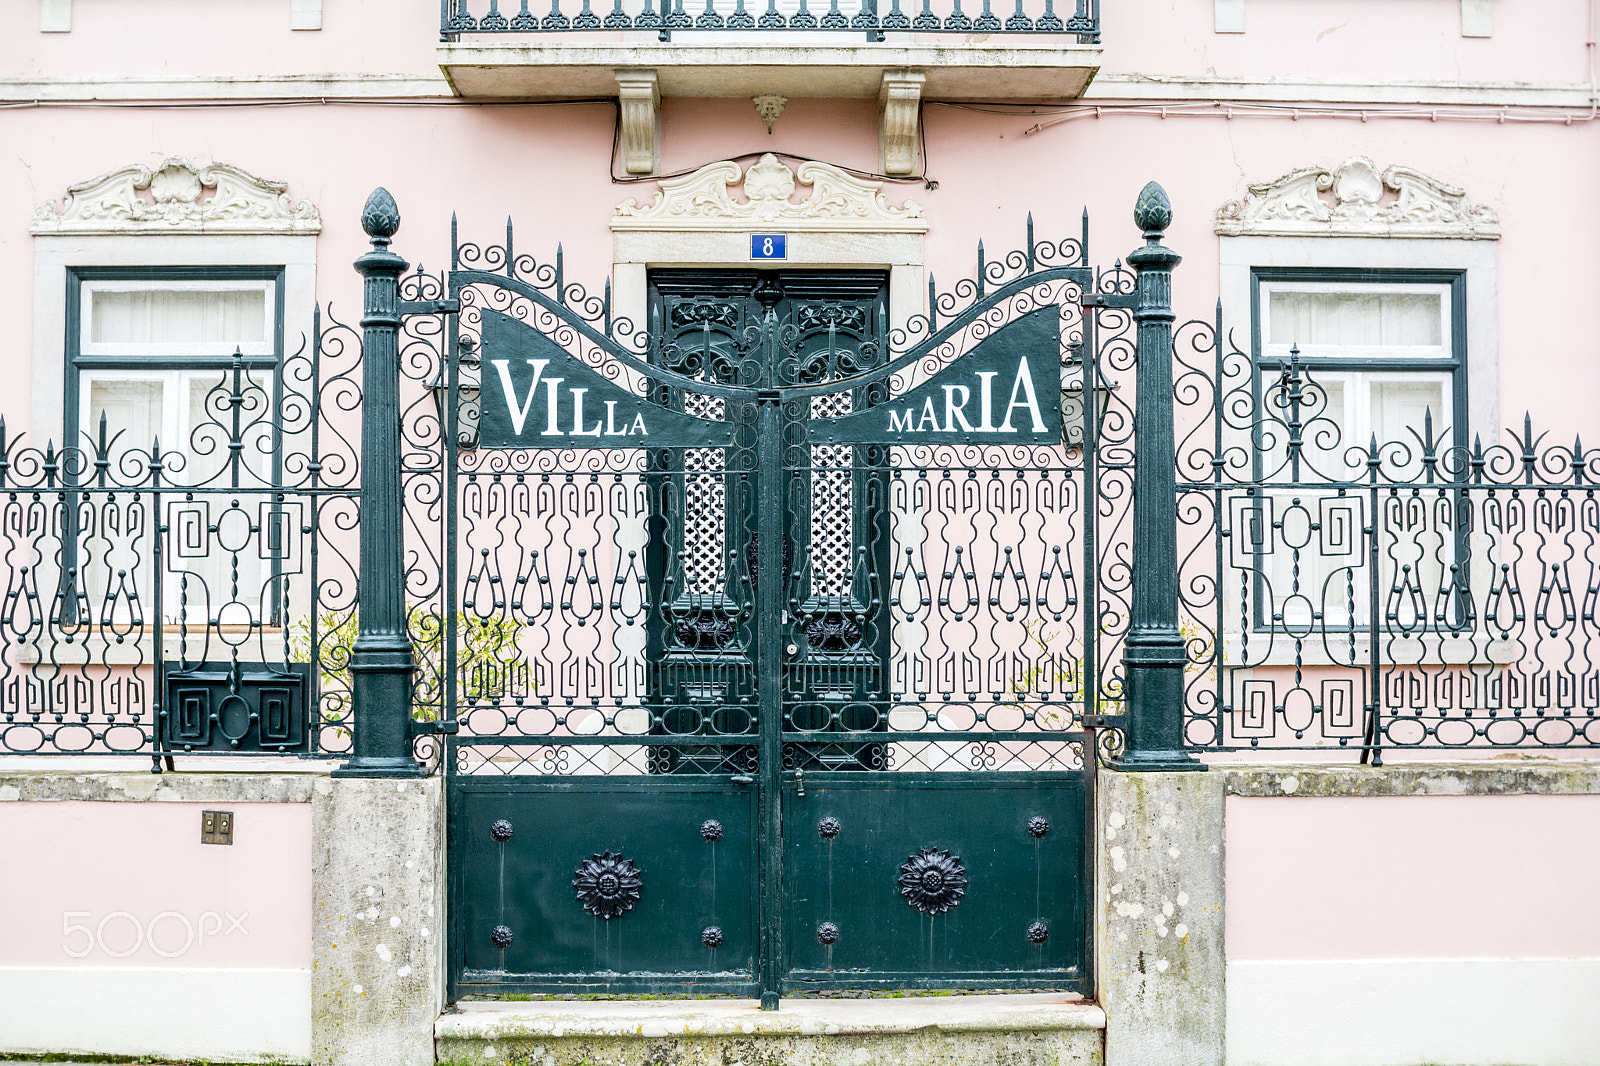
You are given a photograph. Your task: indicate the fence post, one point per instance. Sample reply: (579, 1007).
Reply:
(1154, 658)
(381, 664)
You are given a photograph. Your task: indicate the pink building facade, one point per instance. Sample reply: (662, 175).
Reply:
(1391, 191)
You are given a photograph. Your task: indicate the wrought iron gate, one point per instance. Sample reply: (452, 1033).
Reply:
(776, 637)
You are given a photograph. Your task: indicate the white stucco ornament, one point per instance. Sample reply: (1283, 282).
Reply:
(1356, 201)
(175, 198)
(707, 200)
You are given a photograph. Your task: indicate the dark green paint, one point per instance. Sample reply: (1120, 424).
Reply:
(556, 401)
(760, 727)
(1013, 881)
(381, 661)
(525, 883)
(1154, 656)
(1005, 390)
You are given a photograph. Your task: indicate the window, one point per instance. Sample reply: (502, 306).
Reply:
(151, 361)
(1341, 359)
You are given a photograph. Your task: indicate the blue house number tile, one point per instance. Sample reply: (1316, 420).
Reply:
(767, 246)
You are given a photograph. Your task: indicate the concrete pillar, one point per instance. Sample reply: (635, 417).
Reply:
(377, 981)
(1159, 888)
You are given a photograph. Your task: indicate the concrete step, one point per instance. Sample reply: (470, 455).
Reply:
(1041, 1029)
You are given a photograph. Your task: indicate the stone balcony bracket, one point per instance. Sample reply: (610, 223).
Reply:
(639, 96)
(899, 72)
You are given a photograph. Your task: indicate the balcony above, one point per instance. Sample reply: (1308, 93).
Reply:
(722, 48)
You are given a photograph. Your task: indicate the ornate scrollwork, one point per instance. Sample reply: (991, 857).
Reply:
(607, 885)
(704, 313)
(933, 880)
(833, 633)
(707, 632)
(838, 316)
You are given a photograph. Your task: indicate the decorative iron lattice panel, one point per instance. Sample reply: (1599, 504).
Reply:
(1435, 592)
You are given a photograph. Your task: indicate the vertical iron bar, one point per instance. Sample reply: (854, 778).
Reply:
(451, 443)
(1153, 655)
(1090, 675)
(314, 507)
(769, 682)
(1369, 752)
(158, 657)
(1220, 707)
(381, 662)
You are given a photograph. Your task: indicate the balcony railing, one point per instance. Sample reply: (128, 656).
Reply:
(851, 16)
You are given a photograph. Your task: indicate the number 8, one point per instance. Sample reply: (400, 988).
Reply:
(766, 246)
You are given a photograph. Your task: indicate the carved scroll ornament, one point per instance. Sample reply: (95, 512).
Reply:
(1356, 201)
(709, 199)
(175, 198)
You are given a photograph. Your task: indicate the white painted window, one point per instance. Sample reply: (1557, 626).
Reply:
(154, 366)
(1377, 362)
(165, 318)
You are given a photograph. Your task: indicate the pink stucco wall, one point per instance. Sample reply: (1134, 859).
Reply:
(547, 167)
(130, 885)
(1412, 877)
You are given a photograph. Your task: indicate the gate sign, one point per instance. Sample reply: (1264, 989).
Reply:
(536, 394)
(1006, 390)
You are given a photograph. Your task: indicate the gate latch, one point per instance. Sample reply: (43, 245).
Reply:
(799, 782)
(428, 729)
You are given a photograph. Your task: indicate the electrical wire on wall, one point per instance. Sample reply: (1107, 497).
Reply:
(1513, 113)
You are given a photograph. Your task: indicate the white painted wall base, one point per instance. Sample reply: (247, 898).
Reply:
(1407, 1012)
(220, 1015)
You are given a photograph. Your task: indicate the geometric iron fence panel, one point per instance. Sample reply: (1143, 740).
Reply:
(162, 596)
(1425, 592)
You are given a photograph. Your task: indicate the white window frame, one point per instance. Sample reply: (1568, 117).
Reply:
(90, 288)
(1239, 257)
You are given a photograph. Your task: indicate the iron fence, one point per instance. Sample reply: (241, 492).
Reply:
(1433, 592)
(187, 596)
(535, 560)
(457, 17)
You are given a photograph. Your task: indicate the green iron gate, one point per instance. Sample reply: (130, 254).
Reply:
(781, 630)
